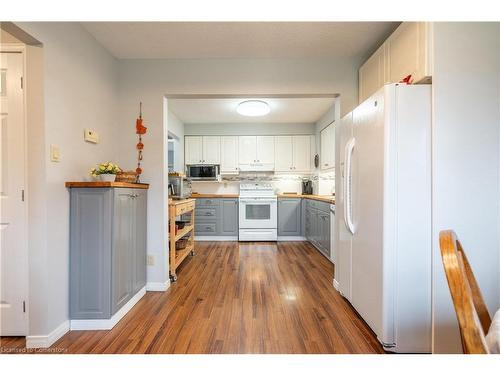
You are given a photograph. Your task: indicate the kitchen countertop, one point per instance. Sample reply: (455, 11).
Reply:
(198, 195)
(103, 184)
(175, 202)
(323, 198)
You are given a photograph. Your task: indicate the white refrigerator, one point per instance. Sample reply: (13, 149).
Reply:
(383, 215)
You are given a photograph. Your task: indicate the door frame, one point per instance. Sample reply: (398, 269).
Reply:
(21, 48)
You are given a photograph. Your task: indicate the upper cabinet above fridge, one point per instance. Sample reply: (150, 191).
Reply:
(406, 52)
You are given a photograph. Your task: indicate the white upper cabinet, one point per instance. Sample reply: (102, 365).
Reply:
(407, 51)
(247, 149)
(193, 150)
(265, 149)
(211, 150)
(202, 150)
(229, 154)
(302, 153)
(283, 153)
(373, 74)
(327, 147)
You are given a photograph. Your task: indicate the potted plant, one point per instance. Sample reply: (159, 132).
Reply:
(105, 171)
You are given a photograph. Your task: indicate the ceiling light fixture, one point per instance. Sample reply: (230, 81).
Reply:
(253, 108)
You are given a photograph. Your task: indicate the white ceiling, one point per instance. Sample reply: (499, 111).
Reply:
(223, 111)
(180, 40)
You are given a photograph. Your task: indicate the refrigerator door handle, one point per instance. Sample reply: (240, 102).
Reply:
(349, 148)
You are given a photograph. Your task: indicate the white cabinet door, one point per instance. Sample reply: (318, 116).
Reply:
(409, 52)
(211, 150)
(247, 149)
(327, 158)
(265, 149)
(283, 153)
(301, 153)
(193, 149)
(229, 154)
(373, 74)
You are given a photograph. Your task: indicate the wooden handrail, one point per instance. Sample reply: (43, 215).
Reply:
(473, 317)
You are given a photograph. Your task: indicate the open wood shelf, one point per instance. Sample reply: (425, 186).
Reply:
(176, 257)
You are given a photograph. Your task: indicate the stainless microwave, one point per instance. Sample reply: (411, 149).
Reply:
(203, 172)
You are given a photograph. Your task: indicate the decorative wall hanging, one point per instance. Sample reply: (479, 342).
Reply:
(140, 129)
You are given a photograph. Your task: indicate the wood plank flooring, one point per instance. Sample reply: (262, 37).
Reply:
(239, 298)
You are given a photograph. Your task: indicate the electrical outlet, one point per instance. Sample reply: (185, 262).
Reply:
(91, 136)
(151, 260)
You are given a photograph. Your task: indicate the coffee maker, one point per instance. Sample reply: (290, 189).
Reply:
(307, 187)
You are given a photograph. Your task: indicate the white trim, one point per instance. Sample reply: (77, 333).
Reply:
(47, 340)
(157, 287)
(336, 285)
(215, 238)
(106, 324)
(291, 238)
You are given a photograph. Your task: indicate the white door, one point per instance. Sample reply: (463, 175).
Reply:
(301, 153)
(327, 148)
(211, 150)
(283, 153)
(229, 154)
(247, 147)
(13, 257)
(265, 149)
(193, 150)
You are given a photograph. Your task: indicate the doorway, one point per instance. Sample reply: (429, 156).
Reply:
(13, 213)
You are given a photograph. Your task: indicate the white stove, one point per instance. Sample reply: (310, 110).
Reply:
(258, 213)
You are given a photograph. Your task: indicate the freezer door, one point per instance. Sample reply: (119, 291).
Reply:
(343, 251)
(367, 279)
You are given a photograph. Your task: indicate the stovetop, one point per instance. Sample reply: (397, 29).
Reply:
(257, 190)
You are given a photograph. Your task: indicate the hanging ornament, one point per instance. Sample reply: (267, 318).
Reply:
(140, 129)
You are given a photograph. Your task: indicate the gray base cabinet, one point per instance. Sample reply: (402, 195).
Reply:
(317, 225)
(216, 217)
(107, 249)
(289, 217)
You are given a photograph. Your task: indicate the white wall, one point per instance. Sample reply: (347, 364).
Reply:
(150, 80)
(79, 80)
(466, 173)
(249, 129)
(176, 127)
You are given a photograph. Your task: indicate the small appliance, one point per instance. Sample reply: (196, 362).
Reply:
(307, 187)
(179, 187)
(203, 172)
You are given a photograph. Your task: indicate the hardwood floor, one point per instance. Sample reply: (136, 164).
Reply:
(239, 298)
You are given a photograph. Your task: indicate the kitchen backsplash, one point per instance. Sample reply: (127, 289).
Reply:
(323, 184)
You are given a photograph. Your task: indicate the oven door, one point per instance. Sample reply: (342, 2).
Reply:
(258, 213)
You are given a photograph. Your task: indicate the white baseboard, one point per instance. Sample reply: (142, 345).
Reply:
(336, 285)
(47, 340)
(157, 287)
(106, 324)
(215, 238)
(291, 238)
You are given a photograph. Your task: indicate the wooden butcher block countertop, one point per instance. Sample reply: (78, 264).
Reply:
(322, 198)
(198, 195)
(103, 184)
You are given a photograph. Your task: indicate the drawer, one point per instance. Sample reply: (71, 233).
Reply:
(205, 228)
(209, 213)
(184, 208)
(207, 202)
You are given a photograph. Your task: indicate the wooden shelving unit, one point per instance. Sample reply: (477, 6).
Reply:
(177, 208)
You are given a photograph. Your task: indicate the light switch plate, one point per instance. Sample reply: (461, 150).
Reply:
(55, 153)
(151, 260)
(91, 136)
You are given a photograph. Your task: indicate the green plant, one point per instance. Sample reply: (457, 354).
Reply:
(105, 168)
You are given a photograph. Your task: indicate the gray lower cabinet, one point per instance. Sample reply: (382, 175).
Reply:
(289, 217)
(216, 217)
(317, 225)
(107, 249)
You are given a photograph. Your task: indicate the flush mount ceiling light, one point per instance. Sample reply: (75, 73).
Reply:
(253, 108)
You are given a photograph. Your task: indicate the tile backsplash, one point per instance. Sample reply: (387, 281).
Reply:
(323, 184)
